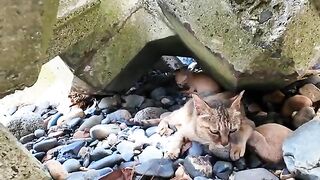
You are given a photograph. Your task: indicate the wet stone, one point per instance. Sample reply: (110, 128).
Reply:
(255, 174)
(71, 165)
(150, 153)
(222, 169)
(74, 122)
(133, 101)
(39, 133)
(158, 93)
(198, 166)
(24, 123)
(301, 150)
(148, 113)
(112, 139)
(151, 131)
(120, 116)
(99, 153)
(126, 149)
(102, 131)
(70, 151)
(108, 161)
(29, 145)
(39, 155)
(156, 167)
(109, 102)
(90, 122)
(196, 149)
(45, 145)
(54, 120)
(56, 170)
(27, 138)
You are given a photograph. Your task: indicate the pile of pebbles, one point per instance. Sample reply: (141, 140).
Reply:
(111, 136)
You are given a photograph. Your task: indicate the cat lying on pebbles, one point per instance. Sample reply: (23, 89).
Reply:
(199, 82)
(215, 125)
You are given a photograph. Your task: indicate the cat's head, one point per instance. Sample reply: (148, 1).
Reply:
(216, 124)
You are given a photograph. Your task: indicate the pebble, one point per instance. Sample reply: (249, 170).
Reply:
(75, 112)
(148, 113)
(87, 175)
(24, 123)
(27, 138)
(112, 139)
(196, 149)
(99, 153)
(29, 145)
(133, 101)
(198, 166)
(311, 91)
(275, 97)
(301, 150)
(255, 174)
(200, 178)
(39, 155)
(151, 131)
(109, 102)
(45, 145)
(149, 153)
(39, 133)
(120, 116)
(102, 131)
(108, 161)
(81, 134)
(158, 93)
(54, 120)
(126, 149)
(56, 170)
(128, 164)
(156, 167)
(222, 169)
(123, 126)
(147, 103)
(295, 103)
(70, 151)
(71, 165)
(137, 136)
(240, 164)
(167, 101)
(104, 143)
(302, 116)
(73, 122)
(90, 122)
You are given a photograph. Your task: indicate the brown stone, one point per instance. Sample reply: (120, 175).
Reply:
(295, 103)
(311, 91)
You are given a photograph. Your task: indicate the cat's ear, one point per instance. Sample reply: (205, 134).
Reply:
(236, 104)
(200, 106)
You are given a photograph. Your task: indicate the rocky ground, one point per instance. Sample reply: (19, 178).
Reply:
(105, 137)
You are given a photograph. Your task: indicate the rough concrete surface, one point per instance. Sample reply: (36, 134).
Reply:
(16, 162)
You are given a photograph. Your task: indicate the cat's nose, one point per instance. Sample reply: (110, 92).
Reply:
(224, 143)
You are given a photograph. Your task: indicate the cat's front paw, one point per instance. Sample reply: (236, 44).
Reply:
(164, 129)
(237, 151)
(172, 154)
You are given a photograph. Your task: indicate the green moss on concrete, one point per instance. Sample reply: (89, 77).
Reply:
(74, 27)
(302, 39)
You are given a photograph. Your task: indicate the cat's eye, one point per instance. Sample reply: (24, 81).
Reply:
(232, 130)
(214, 131)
